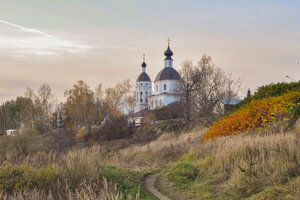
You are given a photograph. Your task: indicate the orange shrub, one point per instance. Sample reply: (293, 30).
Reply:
(268, 112)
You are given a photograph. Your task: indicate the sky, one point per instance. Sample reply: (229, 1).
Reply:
(59, 42)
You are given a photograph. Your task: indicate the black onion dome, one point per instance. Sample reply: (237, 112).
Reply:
(143, 77)
(168, 73)
(144, 64)
(168, 52)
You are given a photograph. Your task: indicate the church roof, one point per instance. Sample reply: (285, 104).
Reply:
(168, 73)
(140, 113)
(143, 77)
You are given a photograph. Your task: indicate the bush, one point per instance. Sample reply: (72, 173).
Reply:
(172, 111)
(271, 90)
(114, 128)
(14, 147)
(273, 113)
(23, 177)
(183, 173)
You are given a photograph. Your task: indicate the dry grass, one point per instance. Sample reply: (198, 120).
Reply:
(157, 154)
(108, 191)
(82, 174)
(236, 167)
(240, 167)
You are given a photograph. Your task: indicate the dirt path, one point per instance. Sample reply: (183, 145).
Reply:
(149, 183)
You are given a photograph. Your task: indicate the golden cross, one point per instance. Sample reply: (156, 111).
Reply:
(144, 57)
(168, 41)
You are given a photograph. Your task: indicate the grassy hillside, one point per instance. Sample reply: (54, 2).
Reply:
(268, 115)
(84, 173)
(237, 167)
(259, 158)
(253, 153)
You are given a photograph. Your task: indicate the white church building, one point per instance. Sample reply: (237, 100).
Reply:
(166, 87)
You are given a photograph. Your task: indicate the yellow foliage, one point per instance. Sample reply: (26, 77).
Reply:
(255, 115)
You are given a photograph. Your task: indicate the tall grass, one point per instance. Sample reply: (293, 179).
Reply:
(76, 174)
(241, 167)
(107, 191)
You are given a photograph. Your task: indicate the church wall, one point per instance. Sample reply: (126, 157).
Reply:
(143, 91)
(171, 86)
(161, 100)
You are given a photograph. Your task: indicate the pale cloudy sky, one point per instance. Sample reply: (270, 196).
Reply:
(61, 41)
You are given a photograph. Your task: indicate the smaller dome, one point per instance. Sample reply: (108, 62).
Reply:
(143, 77)
(168, 52)
(144, 64)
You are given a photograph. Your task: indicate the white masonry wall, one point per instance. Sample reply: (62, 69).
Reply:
(143, 91)
(168, 86)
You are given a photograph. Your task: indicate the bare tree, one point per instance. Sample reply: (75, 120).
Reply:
(31, 96)
(191, 79)
(210, 91)
(44, 104)
(100, 104)
(232, 89)
(205, 88)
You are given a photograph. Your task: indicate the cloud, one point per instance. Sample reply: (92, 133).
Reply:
(38, 43)
(30, 30)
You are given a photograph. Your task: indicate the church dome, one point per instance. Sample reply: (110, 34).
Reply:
(168, 73)
(168, 52)
(143, 77)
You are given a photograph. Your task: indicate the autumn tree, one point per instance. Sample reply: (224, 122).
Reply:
(117, 98)
(80, 106)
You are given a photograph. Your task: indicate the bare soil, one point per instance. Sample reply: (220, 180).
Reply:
(149, 183)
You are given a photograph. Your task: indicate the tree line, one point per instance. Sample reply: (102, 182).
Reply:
(205, 89)
(83, 107)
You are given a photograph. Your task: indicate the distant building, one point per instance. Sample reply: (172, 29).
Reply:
(230, 106)
(12, 132)
(166, 87)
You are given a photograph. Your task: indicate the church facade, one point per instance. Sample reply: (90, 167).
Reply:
(162, 92)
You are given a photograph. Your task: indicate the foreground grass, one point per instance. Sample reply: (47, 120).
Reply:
(237, 167)
(55, 183)
(83, 173)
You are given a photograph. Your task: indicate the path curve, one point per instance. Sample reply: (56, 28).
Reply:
(149, 183)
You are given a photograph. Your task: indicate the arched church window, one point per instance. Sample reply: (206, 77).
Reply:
(156, 87)
(141, 93)
(146, 97)
(165, 86)
(141, 99)
(141, 83)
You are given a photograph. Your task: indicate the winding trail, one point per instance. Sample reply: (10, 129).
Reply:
(149, 183)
